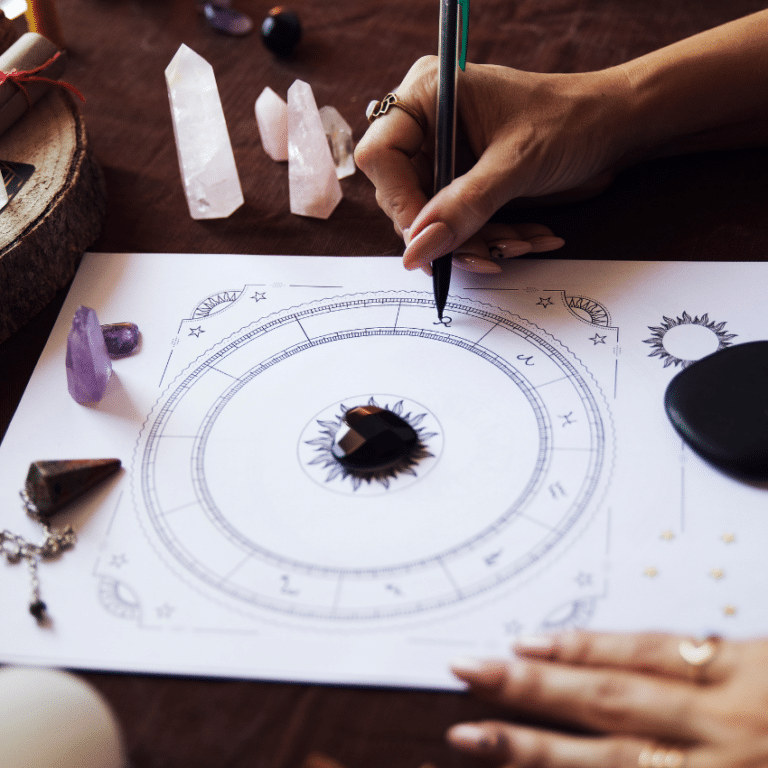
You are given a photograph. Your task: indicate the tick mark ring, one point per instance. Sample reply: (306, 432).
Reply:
(378, 108)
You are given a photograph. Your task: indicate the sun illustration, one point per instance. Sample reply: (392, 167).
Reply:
(684, 340)
(404, 466)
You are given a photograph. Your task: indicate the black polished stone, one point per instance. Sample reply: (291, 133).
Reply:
(372, 438)
(719, 406)
(281, 31)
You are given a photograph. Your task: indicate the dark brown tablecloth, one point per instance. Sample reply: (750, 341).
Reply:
(698, 207)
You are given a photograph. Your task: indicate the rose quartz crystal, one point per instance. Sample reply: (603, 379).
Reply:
(314, 189)
(272, 119)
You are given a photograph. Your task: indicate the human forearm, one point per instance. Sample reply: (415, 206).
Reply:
(706, 92)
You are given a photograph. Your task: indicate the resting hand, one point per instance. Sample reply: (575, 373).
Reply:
(523, 135)
(638, 702)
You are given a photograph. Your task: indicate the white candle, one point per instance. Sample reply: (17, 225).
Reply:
(51, 719)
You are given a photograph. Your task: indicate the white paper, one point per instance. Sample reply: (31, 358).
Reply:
(557, 493)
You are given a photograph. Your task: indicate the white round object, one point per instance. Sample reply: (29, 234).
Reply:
(51, 719)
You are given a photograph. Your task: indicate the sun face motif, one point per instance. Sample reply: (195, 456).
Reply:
(215, 303)
(406, 467)
(588, 309)
(683, 340)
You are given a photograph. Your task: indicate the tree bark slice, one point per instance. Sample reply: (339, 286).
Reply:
(58, 212)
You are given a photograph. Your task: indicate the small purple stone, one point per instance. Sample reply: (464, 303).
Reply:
(121, 338)
(88, 364)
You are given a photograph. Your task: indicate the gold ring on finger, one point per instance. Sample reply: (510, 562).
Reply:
(379, 108)
(699, 654)
(657, 756)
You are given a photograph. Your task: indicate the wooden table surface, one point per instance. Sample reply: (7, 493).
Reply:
(709, 207)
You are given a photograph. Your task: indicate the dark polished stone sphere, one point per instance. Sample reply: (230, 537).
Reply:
(281, 31)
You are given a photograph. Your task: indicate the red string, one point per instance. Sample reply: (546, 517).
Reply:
(19, 77)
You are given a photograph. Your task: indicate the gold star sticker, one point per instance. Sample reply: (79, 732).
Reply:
(651, 571)
(717, 573)
(668, 535)
(728, 538)
(729, 610)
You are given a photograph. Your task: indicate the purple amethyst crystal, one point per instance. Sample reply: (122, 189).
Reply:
(121, 338)
(88, 364)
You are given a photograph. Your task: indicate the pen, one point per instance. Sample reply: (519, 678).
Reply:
(452, 13)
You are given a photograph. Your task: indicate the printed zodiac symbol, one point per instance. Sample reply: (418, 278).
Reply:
(527, 359)
(445, 320)
(492, 558)
(286, 589)
(557, 491)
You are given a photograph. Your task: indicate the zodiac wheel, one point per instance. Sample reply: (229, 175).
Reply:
(517, 443)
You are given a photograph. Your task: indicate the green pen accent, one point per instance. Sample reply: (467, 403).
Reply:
(464, 4)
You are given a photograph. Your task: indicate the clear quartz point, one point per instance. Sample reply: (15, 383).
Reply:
(206, 161)
(313, 185)
(339, 136)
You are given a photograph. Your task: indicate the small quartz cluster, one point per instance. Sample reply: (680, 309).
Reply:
(317, 144)
(90, 350)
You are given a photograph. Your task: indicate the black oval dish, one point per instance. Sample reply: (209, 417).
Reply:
(719, 406)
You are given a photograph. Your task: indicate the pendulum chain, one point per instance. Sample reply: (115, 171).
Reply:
(15, 548)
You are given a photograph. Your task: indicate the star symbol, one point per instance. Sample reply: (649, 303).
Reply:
(118, 561)
(165, 611)
(544, 301)
(196, 331)
(597, 339)
(584, 579)
(728, 538)
(651, 571)
(259, 296)
(729, 610)
(667, 535)
(717, 573)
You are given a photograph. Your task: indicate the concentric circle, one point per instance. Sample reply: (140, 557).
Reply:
(524, 447)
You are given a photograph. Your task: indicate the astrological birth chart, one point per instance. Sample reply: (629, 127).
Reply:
(236, 486)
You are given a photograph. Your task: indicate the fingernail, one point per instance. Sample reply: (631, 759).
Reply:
(407, 235)
(467, 664)
(466, 736)
(432, 242)
(472, 263)
(508, 249)
(485, 673)
(536, 645)
(546, 243)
